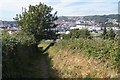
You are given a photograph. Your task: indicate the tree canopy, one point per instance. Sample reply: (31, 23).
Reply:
(37, 20)
(76, 33)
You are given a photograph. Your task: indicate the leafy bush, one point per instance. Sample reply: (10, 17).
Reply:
(17, 51)
(83, 33)
(109, 34)
(9, 42)
(103, 50)
(66, 36)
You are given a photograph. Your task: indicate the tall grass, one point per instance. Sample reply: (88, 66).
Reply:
(82, 58)
(104, 50)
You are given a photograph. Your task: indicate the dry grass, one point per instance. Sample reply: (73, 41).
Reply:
(77, 65)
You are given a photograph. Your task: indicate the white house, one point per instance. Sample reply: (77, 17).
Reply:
(90, 28)
(12, 29)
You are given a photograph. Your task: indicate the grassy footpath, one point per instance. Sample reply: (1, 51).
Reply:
(84, 58)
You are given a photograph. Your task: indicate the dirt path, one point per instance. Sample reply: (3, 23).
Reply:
(41, 67)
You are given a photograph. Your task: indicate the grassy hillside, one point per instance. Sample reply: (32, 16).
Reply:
(84, 58)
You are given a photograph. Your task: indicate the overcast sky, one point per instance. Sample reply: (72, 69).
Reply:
(9, 8)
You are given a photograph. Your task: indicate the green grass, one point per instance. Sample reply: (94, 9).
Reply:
(105, 52)
(95, 34)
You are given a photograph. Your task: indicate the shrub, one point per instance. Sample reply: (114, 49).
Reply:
(109, 34)
(103, 50)
(17, 51)
(83, 33)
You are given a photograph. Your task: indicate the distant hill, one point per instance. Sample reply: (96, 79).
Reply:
(7, 23)
(96, 18)
(101, 18)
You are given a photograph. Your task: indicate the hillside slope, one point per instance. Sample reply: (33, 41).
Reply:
(71, 60)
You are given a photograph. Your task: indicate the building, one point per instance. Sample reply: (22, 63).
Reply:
(90, 28)
(10, 26)
(12, 29)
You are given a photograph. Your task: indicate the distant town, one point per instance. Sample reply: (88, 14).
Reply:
(67, 23)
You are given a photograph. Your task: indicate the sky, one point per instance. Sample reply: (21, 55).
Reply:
(9, 8)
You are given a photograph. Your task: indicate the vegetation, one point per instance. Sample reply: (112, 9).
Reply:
(101, 18)
(96, 18)
(109, 34)
(85, 58)
(17, 52)
(75, 56)
(20, 49)
(111, 25)
(83, 33)
(38, 21)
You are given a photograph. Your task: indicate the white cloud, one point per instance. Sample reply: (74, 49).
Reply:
(89, 8)
(8, 8)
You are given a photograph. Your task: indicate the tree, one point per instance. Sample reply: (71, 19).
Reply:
(111, 34)
(104, 33)
(76, 33)
(38, 21)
